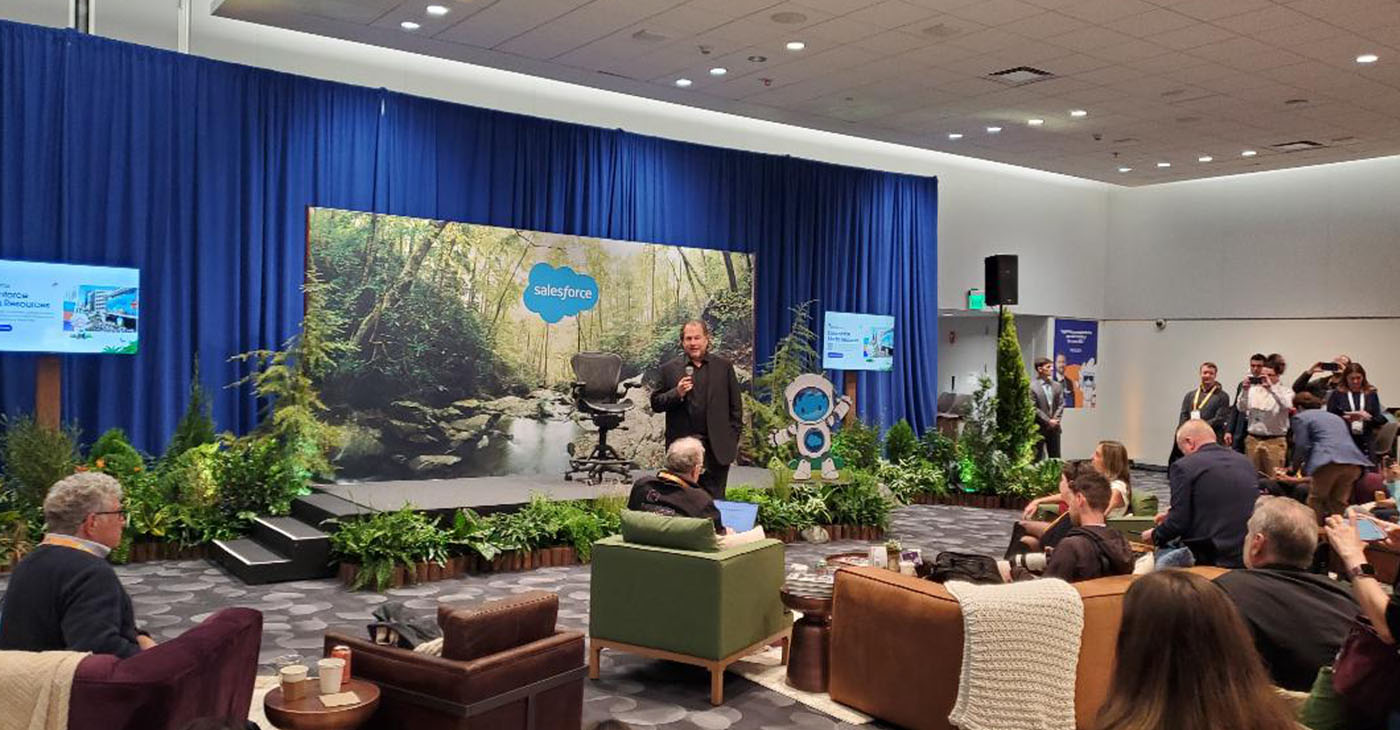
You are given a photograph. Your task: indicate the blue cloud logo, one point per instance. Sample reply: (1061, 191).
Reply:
(558, 293)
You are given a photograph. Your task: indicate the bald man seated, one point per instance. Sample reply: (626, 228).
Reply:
(1213, 490)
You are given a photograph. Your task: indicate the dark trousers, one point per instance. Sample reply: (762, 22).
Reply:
(1049, 443)
(715, 476)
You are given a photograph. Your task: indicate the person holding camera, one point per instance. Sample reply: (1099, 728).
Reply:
(1358, 403)
(1266, 405)
(1322, 377)
(1239, 419)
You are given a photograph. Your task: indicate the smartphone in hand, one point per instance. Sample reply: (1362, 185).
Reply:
(1368, 530)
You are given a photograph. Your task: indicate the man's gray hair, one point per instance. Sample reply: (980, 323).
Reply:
(684, 454)
(71, 499)
(1290, 527)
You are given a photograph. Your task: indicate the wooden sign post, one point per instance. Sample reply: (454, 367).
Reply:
(48, 376)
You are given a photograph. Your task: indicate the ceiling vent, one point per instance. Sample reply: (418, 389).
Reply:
(1298, 146)
(1020, 76)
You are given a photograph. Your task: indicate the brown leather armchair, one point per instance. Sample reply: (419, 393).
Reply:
(503, 667)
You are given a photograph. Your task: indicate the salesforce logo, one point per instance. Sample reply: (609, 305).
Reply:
(558, 293)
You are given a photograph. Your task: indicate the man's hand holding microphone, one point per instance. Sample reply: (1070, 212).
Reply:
(688, 382)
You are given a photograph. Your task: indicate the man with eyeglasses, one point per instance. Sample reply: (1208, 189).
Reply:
(64, 594)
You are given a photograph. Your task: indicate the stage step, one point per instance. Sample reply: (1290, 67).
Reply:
(308, 548)
(253, 563)
(315, 508)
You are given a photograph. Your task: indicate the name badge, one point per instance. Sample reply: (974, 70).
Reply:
(1195, 415)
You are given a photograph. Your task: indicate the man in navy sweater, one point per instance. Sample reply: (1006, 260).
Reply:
(64, 594)
(1213, 490)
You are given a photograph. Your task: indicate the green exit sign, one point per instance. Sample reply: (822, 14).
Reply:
(976, 300)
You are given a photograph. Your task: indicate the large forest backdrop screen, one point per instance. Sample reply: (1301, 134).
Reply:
(445, 367)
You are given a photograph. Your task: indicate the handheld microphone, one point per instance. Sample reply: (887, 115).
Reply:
(689, 372)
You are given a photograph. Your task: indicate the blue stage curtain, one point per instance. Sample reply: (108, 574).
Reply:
(201, 172)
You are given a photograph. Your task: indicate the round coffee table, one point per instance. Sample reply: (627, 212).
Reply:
(309, 714)
(809, 661)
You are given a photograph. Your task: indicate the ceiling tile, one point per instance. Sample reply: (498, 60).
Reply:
(1044, 25)
(1192, 36)
(1262, 20)
(996, 12)
(1152, 22)
(1103, 12)
(894, 14)
(1215, 9)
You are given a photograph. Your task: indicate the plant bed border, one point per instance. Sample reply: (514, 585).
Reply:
(460, 565)
(985, 501)
(146, 551)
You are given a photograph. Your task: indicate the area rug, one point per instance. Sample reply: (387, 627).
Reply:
(767, 670)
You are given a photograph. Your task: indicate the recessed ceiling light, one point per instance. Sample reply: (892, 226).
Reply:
(1367, 58)
(438, 10)
(993, 130)
(718, 71)
(1248, 153)
(796, 45)
(409, 25)
(683, 83)
(955, 135)
(757, 59)
(1164, 164)
(1035, 122)
(1204, 158)
(1125, 169)
(1078, 113)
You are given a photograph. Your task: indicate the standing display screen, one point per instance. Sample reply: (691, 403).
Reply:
(64, 308)
(858, 341)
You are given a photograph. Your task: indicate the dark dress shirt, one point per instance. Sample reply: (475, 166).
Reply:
(712, 411)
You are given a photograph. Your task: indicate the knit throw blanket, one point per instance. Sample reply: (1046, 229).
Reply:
(34, 688)
(1020, 654)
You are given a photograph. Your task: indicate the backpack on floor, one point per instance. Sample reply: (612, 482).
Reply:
(970, 567)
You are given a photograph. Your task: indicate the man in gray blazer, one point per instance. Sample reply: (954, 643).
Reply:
(1049, 397)
(1323, 447)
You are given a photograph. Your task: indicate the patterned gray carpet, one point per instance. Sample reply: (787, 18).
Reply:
(172, 596)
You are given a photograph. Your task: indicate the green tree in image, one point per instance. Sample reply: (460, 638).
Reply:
(1016, 434)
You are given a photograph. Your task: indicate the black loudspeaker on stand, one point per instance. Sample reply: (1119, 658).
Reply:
(1000, 282)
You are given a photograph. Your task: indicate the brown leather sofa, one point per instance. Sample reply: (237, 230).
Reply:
(504, 666)
(897, 643)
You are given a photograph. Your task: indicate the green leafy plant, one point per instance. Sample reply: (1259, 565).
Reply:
(196, 426)
(1016, 432)
(36, 457)
(912, 478)
(386, 540)
(900, 443)
(857, 444)
(766, 410)
(254, 477)
(859, 503)
(15, 538)
(938, 450)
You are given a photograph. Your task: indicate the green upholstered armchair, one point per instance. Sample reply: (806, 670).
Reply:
(704, 608)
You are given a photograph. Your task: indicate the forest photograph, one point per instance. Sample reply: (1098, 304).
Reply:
(444, 370)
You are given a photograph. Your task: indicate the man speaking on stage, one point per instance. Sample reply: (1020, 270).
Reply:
(699, 393)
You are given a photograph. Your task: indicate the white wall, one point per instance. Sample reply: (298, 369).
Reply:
(1056, 223)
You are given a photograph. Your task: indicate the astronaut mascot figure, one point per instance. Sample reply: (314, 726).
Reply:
(815, 407)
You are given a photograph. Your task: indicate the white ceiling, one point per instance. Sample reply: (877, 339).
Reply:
(1162, 80)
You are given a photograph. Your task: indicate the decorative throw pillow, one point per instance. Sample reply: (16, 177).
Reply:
(679, 533)
(431, 647)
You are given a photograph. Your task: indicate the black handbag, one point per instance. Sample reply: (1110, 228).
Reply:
(969, 567)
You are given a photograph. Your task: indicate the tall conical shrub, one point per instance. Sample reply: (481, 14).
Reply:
(1017, 434)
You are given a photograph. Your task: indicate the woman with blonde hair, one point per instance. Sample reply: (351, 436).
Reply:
(1111, 460)
(1187, 662)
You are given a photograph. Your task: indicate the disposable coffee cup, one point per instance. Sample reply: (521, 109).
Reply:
(293, 674)
(331, 672)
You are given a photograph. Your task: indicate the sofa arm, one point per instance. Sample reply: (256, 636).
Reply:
(896, 647)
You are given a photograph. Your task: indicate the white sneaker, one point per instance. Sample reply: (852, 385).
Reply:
(829, 472)
(803, 471)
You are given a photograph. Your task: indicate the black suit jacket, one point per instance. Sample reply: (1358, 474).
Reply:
(1213, 494)
(713, 411)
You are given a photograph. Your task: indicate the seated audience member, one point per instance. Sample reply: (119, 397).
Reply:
(1185, 662)
(1111, 460)
(1380, 607)
(1212, 496)
(1266, 406)
(1320, 381)
(675, 489)
(1358, 403)
(1299, 619)
(1033, 536)
(64, 594)
(1089, 550)
(1322, 445)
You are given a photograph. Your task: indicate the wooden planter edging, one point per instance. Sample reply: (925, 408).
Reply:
(987, 501)
(145, 552)
(460, 565)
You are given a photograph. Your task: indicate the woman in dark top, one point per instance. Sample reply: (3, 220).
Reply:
(1358, 403)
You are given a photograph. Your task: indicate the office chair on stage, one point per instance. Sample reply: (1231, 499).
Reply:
(598, 396)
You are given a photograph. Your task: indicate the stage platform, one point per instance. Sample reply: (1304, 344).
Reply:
(494, 494)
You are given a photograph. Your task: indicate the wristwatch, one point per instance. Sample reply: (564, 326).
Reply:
(1364, 570)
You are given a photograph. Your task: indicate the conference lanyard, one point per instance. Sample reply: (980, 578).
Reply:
(1196, 402)
(69, 542)
(1359, 397)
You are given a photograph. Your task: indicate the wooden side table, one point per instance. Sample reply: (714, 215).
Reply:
(309, 714)
(809, 663)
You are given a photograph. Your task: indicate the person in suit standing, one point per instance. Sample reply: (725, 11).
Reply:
(1323, 447)
(1358, 403)
(699, 393)
(1209, 403)
(1213, 490)
(1049, 397)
